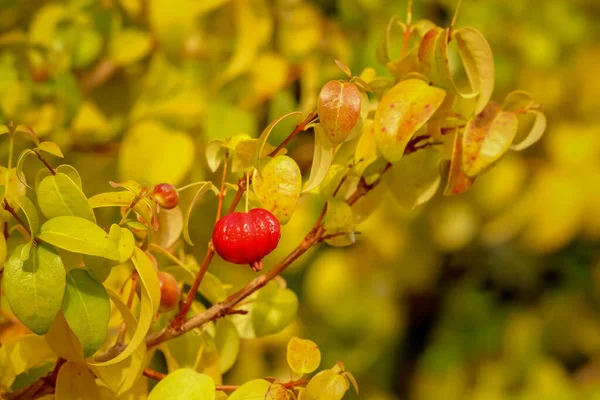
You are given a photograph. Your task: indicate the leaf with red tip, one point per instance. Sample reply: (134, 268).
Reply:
(458, 181)
(487, 136)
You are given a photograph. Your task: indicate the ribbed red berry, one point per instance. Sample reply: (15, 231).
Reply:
(165, 195)
(245, 238)
(169, 291)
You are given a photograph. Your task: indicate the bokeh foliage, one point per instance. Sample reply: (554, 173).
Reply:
(490, 295)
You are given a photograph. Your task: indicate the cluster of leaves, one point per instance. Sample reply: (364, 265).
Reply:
(406, 131)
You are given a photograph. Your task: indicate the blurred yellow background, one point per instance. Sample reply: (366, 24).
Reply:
(490, 295)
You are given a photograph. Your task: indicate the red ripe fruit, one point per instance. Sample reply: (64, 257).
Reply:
(165, 195)
(169, 291)
(245, 238)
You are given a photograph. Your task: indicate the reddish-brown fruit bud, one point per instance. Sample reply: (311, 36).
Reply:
(245, 238)
(165, 195)
(339, 108)
(169, 291)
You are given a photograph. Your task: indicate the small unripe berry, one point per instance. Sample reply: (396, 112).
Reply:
(169, 291)
(245, 238)
(165, 195)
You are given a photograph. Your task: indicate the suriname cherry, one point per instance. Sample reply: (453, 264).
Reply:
(169, 291)
(165, 195)
(245, 238)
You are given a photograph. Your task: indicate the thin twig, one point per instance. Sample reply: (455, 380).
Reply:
(152, 374)
(43, 160)
(299, 128)
(408, 27)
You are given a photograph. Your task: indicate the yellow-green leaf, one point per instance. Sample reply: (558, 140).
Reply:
(129, 46)
(21, 353)
(327, 385)
(254, 389)
(33, 220)
(403, 110)
(79, 235)
(322, 157)
(87, 310)
(184, 384)
(63, 342)
(76, 382)
(140, 159)
(170, 226)
(274, 308)
(277, 185)
(478, 61)
(517, 101)
(339, 221)
(227, 341)
(204, 187)
(487, 137)
(123, 199)
(34, 288)
(303, 356)
(415, 178)
(51, 148)
(58, 195)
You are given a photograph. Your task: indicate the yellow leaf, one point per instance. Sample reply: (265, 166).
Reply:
(63, 341)
(303, 356)
(536, 132)
(155, 154)
(21, 354)
(76, 382)
(458, 181)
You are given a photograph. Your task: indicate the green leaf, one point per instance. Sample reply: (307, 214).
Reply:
(264, 137)
(79, 236)
(274, 309)
(74, 382)
(87, 47)
(254, 389)
(184, 384)
(225, 120)
(322, 157)
(403, 110)
(458, 181)
(204, 187)
(99, 268)
(339, 108)
(33, 220)
(277, 185)
(339, 220)
(478, 60)
(227, 341)
(536, 132)
(51, 148)
(141, 160)
(87, 310)
(59, 196)
(123, 199)
(243, 155)
(129, 46)
(34, 288)
(415, 179)
(487, 137)
(66, 169)
(215, 154)
(327, 385)
(21, 353)
(303, 356)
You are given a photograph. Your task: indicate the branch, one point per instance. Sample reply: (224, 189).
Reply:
(12, 212)
(299, 128)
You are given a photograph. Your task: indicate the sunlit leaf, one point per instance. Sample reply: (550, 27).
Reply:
(277, 185)
(339, 221)
(487, 136)
(402, 111)
(184, 384)
(87, 310)
(303, 356)
(21, 353)
(51, 148)
(74, 382)
(63, 342)
(59, 196)
(66, 169)
(34, 288)
(123, 199)
(79, 236)
(254, 389)
(322, 157)
(478, 60)
(33, 220)
(327, 385)
(517, 101)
